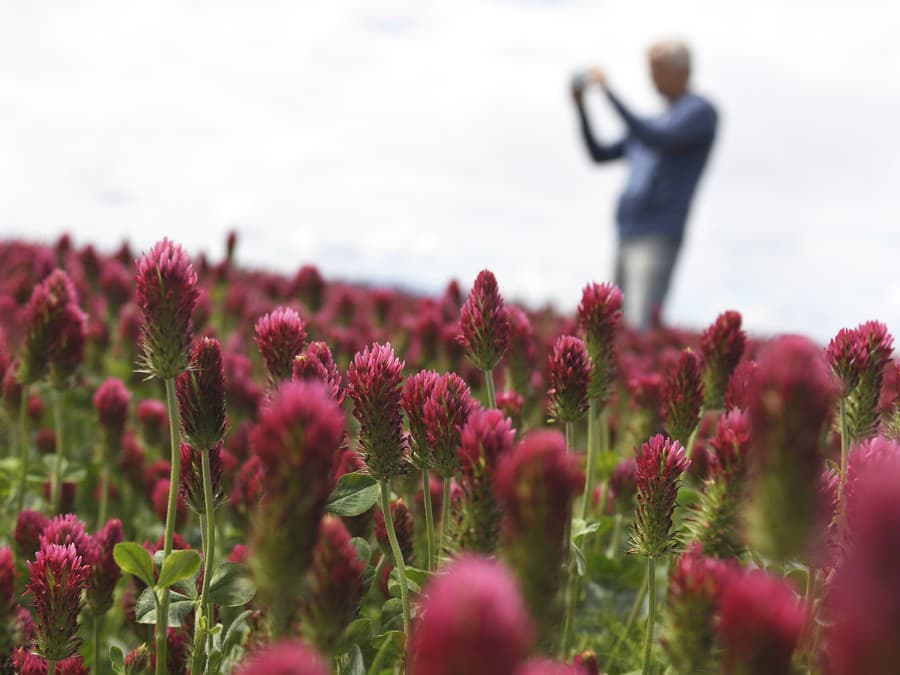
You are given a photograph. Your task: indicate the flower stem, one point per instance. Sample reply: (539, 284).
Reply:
(845, 450)
(613, 548)
(104, 491)
(692, 439)
(205, 609)
(489, 383)
(651, 615)
(592, 451)
(429, 521)
(51, 667)
(395, 550)
(98, 630)
(56, 478)
(445, 518)
(162, 609)
(23, 446)
(572, 581)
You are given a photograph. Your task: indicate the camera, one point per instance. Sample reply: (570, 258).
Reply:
(580, 80)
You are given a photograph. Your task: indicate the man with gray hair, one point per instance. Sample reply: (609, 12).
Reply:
(667, 155)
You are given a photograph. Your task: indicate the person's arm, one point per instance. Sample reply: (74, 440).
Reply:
(600, 152)
(678, 133)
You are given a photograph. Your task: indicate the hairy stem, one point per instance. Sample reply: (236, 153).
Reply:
(429, 521)
(594, 439)
(572, 581)
(56, 477)
(204, 608)
(98, 630)
(445, 518)
(845, 450)
(651, 615)
(395, 550)
(23, 446)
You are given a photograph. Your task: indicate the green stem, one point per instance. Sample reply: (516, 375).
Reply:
(23, 446)
(845, 450)
(379, 569)
(51, 667)
(445, 518)
(98, 629)
(204, 608)
(395, 550)
(651, 616)
(489, 382)
(569, 567)
(104, 493)
(56, 478)
(429, 520)
(162, 610)
(692, 439)
(592, 452)
(613, 549)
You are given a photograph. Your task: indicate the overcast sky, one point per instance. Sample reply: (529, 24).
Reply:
(415, 141)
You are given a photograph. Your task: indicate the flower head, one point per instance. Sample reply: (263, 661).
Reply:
(683, 395)
(737, 392)
(722, 345)
(522, 352)
(57, 578)
(403, 527)
(284, 658)
(375, 376)
(67, 529)
(587, 661)
(732, 445)
(660, 464)
(153, 419)
(570, 379)
(112, 401)
(105, 573)
(760, 621)
(599, 314)
(317, 363)
(416, 392)
(280, 336)
(623, 484)
(166, 294)
(446, 412)
(473, 620)
(192, 476)
(201, 396)
(27, 534)
(484, 322)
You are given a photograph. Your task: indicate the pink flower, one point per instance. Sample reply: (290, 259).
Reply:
(67, 529)
(154, 421)
(7, 580)
(284, 658)
(848, 357)
(587, 661)
(760, 621)
(29, 526)
(722, 345)
(510, 403)
(416, 393)
(660, 464)
(280, 336)
(375, 377)
(57, 578)
(570, 379)
(201, 396)
(446, 412)
(403, 527)
(473, 621)
(623, 484)
(192, 476)
(484, 322)
(105, 573)
(309, 286)
(166, 294)
(112, 401)
(338, 574)
(27, 663)
(736, 396)
(521, 355)
(731, 444)
(683, 396)
(599, 314)
(159, 496)
(317, 363)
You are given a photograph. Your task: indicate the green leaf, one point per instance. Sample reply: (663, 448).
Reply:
(358, 632)
(117, 659)
(411, 584)
(231, 585)
(145, 608)
(357, 665)
(581, 527)
(392, 614)
(134, 559)
(580, 562)
(363, 549)
(179, 565)
(354, 494)
(233, 634)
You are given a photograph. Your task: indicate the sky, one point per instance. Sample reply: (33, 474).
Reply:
(414, 141)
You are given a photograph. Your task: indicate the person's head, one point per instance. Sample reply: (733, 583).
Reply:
(670, 67)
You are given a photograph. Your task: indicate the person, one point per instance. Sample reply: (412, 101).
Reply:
(667, 155)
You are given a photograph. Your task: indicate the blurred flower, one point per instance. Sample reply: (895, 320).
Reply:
(403, 527)
(660, 463)
(49, 324)
(623, 484)
(599, 314)
(522, 352)
(166, 294)
(111, 401)
(722, 345)
(284, 658)
(27, 534)
(570, 379)
(153, 420)
(138, 661)
(375, 387)
(280, 336)
(473, 621)
(105, 573)
(159, 496)
(587, 661)
(484, 322)
(737, 392)
(192, 476)
(27, 663)
(446, 412)
(317, 363)
(201, 396)
(683, 396)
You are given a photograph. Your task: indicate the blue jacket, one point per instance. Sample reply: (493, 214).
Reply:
(667, 155)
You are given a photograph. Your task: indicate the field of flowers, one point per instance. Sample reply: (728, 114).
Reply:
(211, 469)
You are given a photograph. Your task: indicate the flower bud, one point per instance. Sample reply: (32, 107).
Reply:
(284, 658)
(112, 401)
(484, 322)
(201, 396)
(722, 345)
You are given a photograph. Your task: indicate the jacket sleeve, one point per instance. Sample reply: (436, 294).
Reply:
(680, 132)
(600, 152)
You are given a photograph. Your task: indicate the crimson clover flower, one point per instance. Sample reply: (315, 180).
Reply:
(722, 345)
(112, 401)
(683, 396)
(30, 524)
(317, 363)
(284, 658)
(47, 321)
(446, 412)
(570, 379)
(484, 322)
(416, 392)
(191, 476)
(280, 336)
(403, 527)
(201, 396)
(599, 315)
(105, 572)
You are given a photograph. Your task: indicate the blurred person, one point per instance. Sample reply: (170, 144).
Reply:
(667, 155)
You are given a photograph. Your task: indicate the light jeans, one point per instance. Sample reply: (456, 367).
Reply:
(644, 268)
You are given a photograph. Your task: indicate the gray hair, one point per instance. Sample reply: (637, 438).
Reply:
(674, 53)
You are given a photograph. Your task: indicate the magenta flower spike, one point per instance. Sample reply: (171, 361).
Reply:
(473, 620)
(201, 396)
(49, 326)
(587, 661)
(570, 379)
(280, 336)
(337, 572)
(375, 377)
(599, 315)
(446, 412)
(67, 350)
(317, 363)
(660, 465)
(416, 392)
(760, 621)
(192, 476)
(683, 396)
(30, 525)
(296, 441)
(57, 578)
(67, 529)
(166, 294)
(722, 345)
(112, 401)
(403, 527)
(484, 322)
(105, 573)
(539, 666)
(284, 658)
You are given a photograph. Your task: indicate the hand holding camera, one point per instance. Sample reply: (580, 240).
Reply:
(583, 78)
